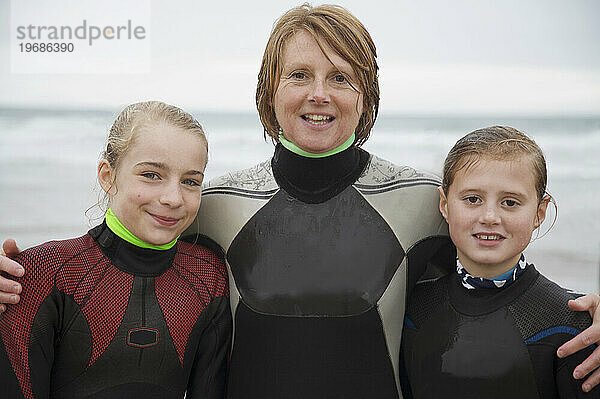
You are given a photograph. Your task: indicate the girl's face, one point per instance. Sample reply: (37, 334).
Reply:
(492, 209)
(155, 191)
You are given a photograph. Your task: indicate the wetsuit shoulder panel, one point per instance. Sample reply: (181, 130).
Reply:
(230, 200)
(545, 321)
(406, 198)
(43, 264)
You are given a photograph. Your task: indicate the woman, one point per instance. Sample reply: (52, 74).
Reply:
(324, 240)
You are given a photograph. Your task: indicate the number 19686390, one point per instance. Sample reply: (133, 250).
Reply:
(46, 47)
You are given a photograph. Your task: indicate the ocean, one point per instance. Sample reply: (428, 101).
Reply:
(48, 164)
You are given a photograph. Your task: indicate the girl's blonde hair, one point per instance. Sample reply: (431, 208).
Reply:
(134, 116)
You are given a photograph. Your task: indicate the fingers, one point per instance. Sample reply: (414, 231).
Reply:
(586, 338)
(589, 302)
(591, 335)
(8, 299)
(11, 267)
(9, 247)
(584, 368)
(9, 289)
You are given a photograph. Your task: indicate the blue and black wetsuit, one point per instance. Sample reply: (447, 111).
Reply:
(320, 253)
(497, 342)
(102, 318)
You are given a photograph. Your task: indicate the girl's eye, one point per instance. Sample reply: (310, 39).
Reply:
(191, 182)
(472, 199)
(150, 175)
(509, 203)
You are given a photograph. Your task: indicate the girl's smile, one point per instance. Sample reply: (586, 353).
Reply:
(155, 190)
(492, 209)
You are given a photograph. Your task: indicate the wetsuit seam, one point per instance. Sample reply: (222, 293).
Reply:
(190, 285)
(223, 273)
(215, 334)
(309, 316)
(363, 196)
(59, 268)
(387, 348)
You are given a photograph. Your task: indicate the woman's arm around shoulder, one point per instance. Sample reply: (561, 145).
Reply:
(9, 289)
(590, 366)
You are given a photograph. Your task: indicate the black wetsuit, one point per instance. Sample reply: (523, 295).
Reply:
(102, 318)
(492, 343)
(320, 254)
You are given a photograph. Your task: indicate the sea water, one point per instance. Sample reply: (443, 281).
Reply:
(48, 162)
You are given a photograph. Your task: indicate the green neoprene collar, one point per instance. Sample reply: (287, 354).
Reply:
(120, 230)
(297, 150)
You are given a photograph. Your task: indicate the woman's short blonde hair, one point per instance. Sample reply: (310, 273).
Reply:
(341, 31)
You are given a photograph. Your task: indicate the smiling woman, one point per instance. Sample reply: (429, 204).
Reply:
(317, 103)
(334, 44)
(323, 238)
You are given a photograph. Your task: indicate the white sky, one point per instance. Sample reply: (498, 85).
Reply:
(516, 57)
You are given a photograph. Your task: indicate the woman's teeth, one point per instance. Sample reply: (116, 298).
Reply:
(317, 119)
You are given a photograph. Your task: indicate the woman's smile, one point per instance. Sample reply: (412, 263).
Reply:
(317, 102)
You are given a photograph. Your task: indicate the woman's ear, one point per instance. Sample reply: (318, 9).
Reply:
(443, 203)
(106, 176)
(541, 211)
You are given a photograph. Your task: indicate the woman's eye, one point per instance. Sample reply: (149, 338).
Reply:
(472, 200)
(340, 78)
(509, 203)
(298, 75)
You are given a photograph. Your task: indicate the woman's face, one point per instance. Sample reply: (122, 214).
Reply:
(316, 103)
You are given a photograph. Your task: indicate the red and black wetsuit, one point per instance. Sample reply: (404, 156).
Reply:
(102, 318)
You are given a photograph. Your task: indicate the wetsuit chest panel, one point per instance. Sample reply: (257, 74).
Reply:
(333, 258)
(471, 357)
(122, 362)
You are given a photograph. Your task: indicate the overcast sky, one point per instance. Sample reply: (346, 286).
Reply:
(537, 57)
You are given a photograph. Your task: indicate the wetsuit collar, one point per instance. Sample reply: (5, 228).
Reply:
(119, 229)
(482, 301)
(297, 150)
(503, 280)
(131, 258)
(315, 180)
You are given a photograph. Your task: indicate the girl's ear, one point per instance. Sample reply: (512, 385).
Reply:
(106, 176)
(541, 211)
(443, 203)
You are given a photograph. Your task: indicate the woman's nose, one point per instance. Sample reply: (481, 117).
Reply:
(319, 93)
